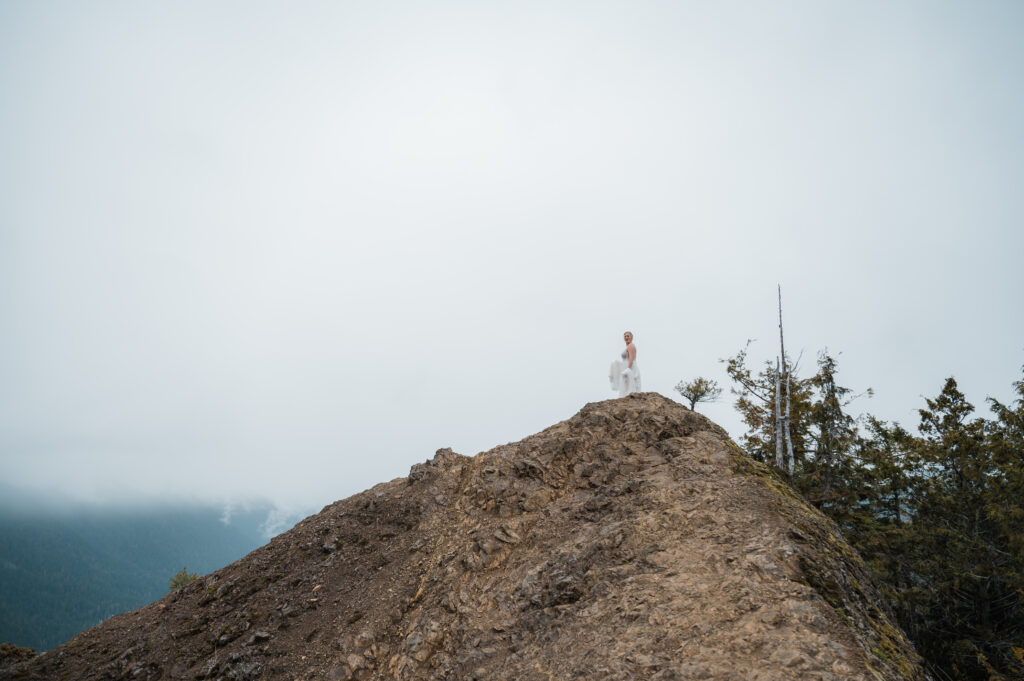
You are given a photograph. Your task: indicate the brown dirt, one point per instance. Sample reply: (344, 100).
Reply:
(632, 541)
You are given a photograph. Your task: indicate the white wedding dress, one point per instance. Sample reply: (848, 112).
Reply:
(623, 378)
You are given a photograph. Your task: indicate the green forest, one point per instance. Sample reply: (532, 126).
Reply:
(65, 571)
(937, 513)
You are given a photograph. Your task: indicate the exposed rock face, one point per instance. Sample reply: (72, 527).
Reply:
(633, 541)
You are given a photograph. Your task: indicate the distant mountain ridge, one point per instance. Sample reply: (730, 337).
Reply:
(66, 569)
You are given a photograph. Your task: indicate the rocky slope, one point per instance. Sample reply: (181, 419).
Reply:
(632, 541)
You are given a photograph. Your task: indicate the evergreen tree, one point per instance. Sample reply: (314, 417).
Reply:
(1006, 438)
(823, 433)
(755, 400)
(890, 481)
(182, 578)
(833, 471)
(888, 455)
(1005, 510)
(970, 613)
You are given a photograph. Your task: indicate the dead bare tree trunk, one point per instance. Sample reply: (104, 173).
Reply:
(785, 418)
(779, 460)
(789, 435)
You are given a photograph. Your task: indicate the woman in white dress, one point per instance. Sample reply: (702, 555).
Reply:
(625, 372)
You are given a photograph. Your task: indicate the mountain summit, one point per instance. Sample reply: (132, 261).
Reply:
(632, 541)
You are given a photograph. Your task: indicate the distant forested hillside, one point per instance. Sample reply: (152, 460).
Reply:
(64, 571)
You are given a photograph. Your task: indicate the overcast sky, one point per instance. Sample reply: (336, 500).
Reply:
(286, 250)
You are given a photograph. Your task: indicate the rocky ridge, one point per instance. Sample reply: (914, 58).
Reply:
(631, 541)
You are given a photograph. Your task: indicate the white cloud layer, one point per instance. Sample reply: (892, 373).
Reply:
(287, 250)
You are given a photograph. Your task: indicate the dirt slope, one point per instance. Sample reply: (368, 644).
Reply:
(632, 541)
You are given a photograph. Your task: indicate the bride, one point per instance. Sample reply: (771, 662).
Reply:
(625, 372)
